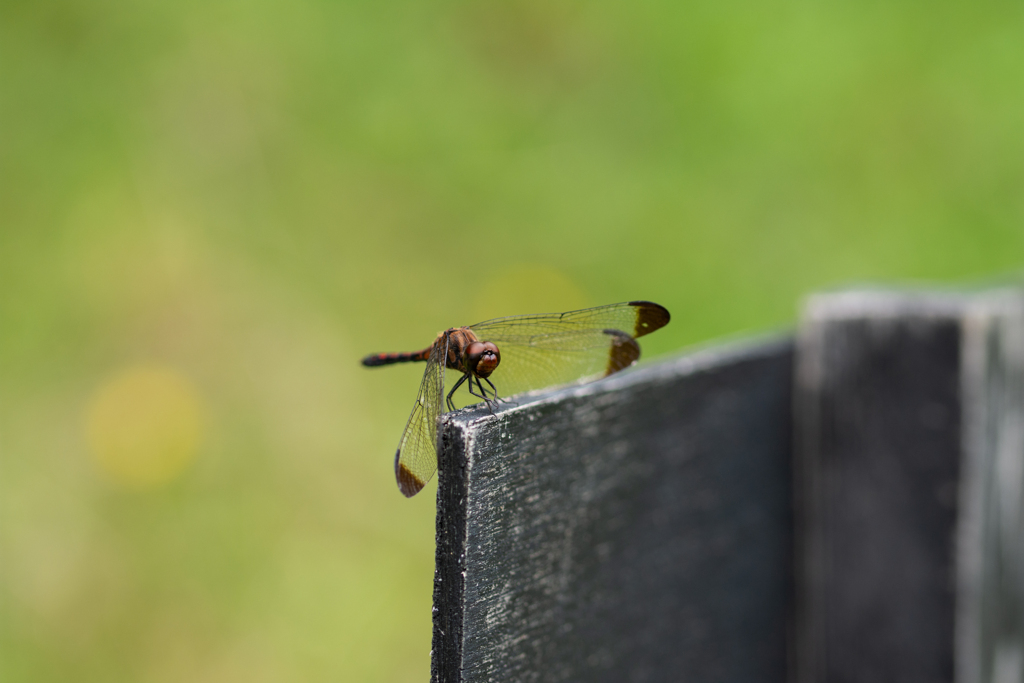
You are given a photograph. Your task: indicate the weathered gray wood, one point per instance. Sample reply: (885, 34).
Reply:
(636, 529)
(909, 417)
(641, 528)
(990, 626)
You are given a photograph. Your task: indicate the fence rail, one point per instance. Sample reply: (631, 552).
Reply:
(842, 506)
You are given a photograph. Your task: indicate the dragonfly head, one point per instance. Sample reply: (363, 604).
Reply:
(482, 358)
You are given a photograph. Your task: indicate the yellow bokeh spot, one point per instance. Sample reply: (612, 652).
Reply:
(527, 288)
(144, 426)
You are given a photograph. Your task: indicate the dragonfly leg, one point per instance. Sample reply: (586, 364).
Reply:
(451, 406)
(492, 389)
(482, 393)
(488, 401)
(471, 388)
(480, 388)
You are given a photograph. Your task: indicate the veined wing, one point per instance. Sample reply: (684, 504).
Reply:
(570, 356)
(635, 318)
(416, 459)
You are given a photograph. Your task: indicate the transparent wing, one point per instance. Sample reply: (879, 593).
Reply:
(416, 459)
(529, 363)
(635, 318)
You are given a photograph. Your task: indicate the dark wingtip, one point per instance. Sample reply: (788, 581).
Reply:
(649, 317)
(408, 483)
(623, 353)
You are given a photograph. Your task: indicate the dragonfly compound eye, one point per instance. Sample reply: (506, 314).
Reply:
(482, 358)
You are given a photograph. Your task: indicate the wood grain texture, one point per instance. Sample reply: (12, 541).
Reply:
(990, 538)
(636, 529)
(904, 402)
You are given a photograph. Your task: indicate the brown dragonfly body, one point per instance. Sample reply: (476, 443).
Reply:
(462, 351)
(541, 350)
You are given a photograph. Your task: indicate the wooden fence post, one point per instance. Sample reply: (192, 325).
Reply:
(635, 529)
(910, 441)
(642, 528)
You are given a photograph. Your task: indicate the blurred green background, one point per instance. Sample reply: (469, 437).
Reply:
(210, 211)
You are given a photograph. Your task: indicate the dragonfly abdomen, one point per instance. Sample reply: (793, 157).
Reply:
(375, 359)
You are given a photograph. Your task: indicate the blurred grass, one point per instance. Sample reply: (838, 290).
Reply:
(254, 195)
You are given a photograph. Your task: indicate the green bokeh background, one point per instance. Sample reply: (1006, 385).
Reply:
(256, 194)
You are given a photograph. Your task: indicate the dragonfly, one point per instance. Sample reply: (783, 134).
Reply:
(517, 353)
